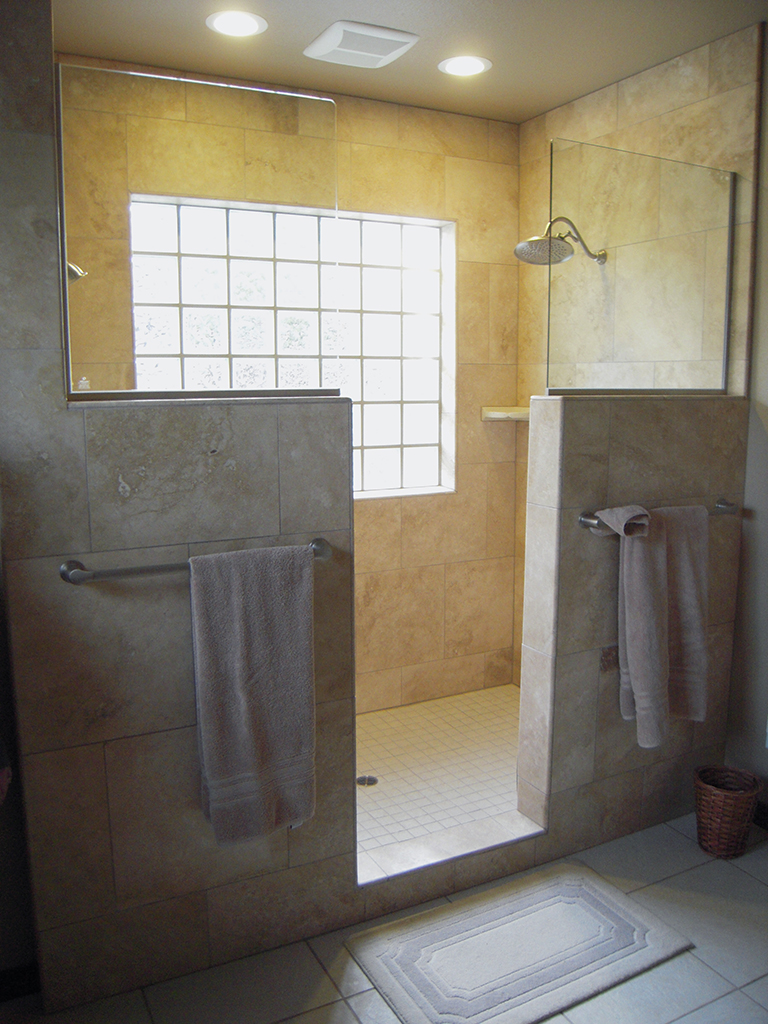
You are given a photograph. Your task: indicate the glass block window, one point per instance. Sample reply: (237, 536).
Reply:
(229, 296)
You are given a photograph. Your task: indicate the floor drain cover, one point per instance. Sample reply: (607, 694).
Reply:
(367, 780)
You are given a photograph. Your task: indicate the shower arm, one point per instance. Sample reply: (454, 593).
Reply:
(598, 257)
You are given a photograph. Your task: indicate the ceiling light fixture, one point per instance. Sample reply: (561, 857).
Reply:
(359, 45)
(236, 23)
(464, 66)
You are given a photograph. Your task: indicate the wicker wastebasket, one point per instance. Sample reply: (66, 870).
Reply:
(725, 806)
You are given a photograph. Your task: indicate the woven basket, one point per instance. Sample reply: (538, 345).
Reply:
(725, 806)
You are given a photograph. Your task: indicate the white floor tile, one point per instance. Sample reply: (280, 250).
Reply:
(333, 1013)
(755, 863)
(758, 991)
(644, 857)
(123, 1009)
(371, 1008)
(658, 996)
(735, 1008)
(723, 910)
(332, 954)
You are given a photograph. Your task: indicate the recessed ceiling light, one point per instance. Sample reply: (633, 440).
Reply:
(236, 23)
(464, 66)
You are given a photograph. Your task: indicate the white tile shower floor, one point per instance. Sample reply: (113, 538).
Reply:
(446, 771)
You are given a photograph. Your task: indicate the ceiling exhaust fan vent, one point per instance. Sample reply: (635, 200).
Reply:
(360, 46)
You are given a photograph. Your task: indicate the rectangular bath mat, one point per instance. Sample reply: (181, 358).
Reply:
(516, 953)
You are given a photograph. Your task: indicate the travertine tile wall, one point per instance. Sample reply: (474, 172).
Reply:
(579, 765)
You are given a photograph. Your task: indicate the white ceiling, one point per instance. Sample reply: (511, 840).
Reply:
(544, 52)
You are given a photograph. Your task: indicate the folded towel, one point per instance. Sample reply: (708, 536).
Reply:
(252, 636)
(627, 521)
(662, 618)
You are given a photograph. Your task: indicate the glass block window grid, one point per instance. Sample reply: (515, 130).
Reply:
(262, 298)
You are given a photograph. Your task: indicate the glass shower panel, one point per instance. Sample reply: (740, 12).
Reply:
(654, 315)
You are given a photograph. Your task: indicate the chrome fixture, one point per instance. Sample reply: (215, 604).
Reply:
(545, 250)
(74, 273)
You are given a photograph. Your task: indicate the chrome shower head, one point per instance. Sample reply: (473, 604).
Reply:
(546, 249)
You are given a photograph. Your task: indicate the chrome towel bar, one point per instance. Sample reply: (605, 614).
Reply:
(723, 507)
(76, 573)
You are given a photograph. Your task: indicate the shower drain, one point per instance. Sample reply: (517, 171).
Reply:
(366, 780)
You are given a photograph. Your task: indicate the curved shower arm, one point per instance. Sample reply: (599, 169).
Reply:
(598, 257)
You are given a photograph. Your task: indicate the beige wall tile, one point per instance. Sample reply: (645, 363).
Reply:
(728, 445)
(537, 694)
(501, 509)
(98, 662)
(427, 883)
(503, 142)
(477, 386)
(497, 863)
(740, 298)
(608, 178)
(370, 122)
(733, 60)
(668, 789)
(317, 117)
(616, 748)
(296, 169)
(95, 174)
(532, 803)
(27, 74)
(637, 138)
(674, 84)
(724, 547)
(575, 719)
(588, 582)
(534, 196)
(482, 196)
(715, 132)
(585, 118)
(439, 528)
(534, 140)
(262, 913)
(401, 182)
(693, 198)
(715, 295)
(479, 603)
(377, 690)
(94, 89)
(377, 534)
(334, 664)
(586, 429)
(532, 310)
(545, 456)
(123, 950)
(473, 318)
(399, 617)
(502, 310)
(542, 552)
(499, 668)
(262, 111)
(435, 131)
(68, 833)
(163, 845)
(531, 380)
(176, 158)
(443, 678)
(582, 315)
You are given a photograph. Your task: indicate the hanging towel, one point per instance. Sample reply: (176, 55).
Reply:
(254, 678)
(627, 521)
(662, 619)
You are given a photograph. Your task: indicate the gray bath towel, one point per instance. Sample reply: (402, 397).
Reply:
(252, 632)
(663, 576)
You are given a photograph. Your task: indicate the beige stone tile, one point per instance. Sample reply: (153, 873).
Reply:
(728, 452)
(377, 690)
(377, 534)
(496, 863)
(502, 314)
(315, 483)
(733, 60)
(478, 386)
(123, 950)
(534, 140)
(498, 670)
(439, 528)
(692, 198)
(517, 640)
(26, 78)
(435, 131)
(535, 183)
(163, 845)
(157, 474)
(531, 380)
(296, 169)
(479, 604)
(177, 158)
(533, 804)
(95, 174)
(619, 196)
(68, 831)
(660, 299)
(99, 305)
(261, 913)
(537, 695)
(542, 552)
(369, 122)
(96, 662)
(545, 451)
(586, 429)
(443, 678)
(473, 317)
(668, 789)
(588, 588)
(533, 301)
(637, 138)
(706, 375)
(724, 548)
(582, 316)
(503, 142)
(482, 197)
(43, 472)
(399, 617)
(262, 111)
(409, 889)
(586, 118)
(674, 84)
(712, 732)
(331, 831)
(400, 182)
(575, 719)
(715, 298)
(716, 132)
(96, 89)
(501, 509)
(740, 297)
(317, 117)
(616, 749)
(592, 814)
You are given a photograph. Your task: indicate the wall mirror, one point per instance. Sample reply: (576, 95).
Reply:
(198, 237)
(654, 316)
